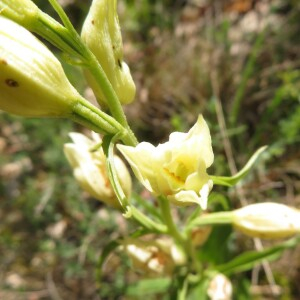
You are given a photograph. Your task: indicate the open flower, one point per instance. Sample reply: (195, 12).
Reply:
(32, 80)
(89, 166)
(102, 34)
(177, 168)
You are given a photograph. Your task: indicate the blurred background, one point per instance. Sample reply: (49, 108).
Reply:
(235, 61)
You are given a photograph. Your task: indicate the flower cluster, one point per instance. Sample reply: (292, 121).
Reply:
(33, 84)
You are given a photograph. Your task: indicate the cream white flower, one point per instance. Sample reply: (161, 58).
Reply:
(267, 220)
(89, 167)
(220, 288)
(102, 34)
(32, 80)
(177, 168)
(153, 258)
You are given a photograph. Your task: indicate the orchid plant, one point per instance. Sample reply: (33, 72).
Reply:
(176, 173)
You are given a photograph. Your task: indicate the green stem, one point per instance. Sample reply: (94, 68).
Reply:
(211, 219)
(112, 100)
(183, 240)
(58, 35)
(182, 290)
(86, 114)
(193, 255)
(68, 40)
(167, 217)
(247, 73)
(145, 221)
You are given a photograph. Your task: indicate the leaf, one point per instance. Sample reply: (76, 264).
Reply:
(199, 292)
(64, 18)
(217, 248)
(232, 180)
(248, 260)
(148, 286)
(108, 249)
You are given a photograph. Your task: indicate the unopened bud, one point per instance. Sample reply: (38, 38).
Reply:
(200, 235)
(24, 12)
(32, 80)
(220, 288)
(101, 33)
(267, 220)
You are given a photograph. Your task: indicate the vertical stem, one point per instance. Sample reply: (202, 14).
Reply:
(193, 254)
(182, 239)
(112, 100)
(248, 71)
(167, 217)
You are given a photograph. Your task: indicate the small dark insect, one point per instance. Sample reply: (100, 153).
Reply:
(119, 64)
(11, 82)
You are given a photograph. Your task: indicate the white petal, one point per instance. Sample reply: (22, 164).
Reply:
(143, 164)
(184, 198)
(80, 140)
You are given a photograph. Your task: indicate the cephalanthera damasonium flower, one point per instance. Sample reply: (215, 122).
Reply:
(32, 80)
(89, 166)
(267, 220)
(220, 288)
(153, 258)
(102, 34)
(177, 168)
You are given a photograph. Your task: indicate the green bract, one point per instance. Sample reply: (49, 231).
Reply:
(101, 33)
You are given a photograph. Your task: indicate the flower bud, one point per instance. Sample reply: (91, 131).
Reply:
(200, 235)
(220, 288)
(90, 169)
(101, 33)
(23, 12)
(153, 258)
(267, 220)
(32, 80)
